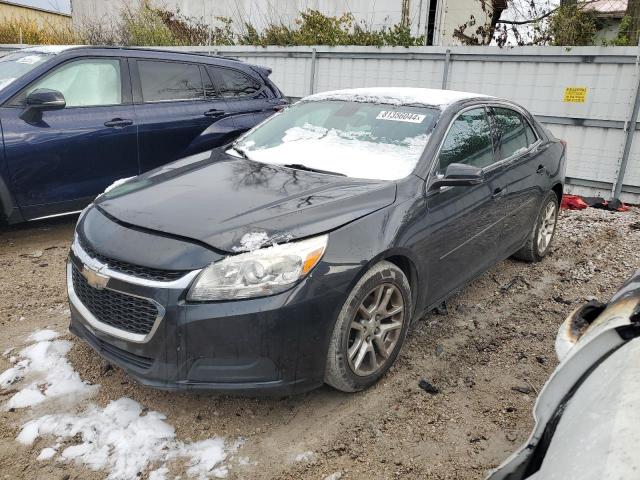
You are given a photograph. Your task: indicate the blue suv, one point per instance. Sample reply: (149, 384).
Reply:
(76, 119)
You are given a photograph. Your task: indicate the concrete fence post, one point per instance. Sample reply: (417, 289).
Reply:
(628, 141)
(445, 72)
(312, 73)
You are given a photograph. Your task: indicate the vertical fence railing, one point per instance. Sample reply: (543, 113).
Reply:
(630, 133)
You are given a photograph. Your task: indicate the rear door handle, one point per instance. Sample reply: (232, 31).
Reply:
(118, 122)
(498, 192)
(214, 113)
(541, 169)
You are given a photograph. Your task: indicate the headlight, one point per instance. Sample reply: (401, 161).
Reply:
(259, 273)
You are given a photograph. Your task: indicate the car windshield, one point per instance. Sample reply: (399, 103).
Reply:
(356, 139)
(15, 65)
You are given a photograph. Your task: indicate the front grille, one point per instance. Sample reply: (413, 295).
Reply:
(131, 269)
(128, 313)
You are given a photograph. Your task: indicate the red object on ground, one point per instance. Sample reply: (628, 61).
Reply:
(573, 202)
(576, 202)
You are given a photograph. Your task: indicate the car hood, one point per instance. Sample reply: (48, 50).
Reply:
(236, 204)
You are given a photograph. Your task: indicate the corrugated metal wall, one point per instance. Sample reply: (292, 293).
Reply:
(535, 77)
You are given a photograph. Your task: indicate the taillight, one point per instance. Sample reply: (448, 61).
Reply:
(564, 142)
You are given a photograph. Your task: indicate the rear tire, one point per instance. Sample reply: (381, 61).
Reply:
(370, 329)
(539, 240)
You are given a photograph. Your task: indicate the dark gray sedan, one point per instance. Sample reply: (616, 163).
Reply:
(301, 253)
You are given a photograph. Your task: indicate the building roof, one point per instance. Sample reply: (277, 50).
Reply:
(607, 8)
(396, 96)
(37, 9)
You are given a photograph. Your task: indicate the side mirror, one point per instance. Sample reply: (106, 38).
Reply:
(41, 100)
(459, 175)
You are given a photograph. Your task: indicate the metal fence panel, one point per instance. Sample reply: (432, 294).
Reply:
(535, 77)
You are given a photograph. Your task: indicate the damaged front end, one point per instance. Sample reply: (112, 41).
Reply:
(583, 426)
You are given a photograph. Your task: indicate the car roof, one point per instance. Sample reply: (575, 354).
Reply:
(58, 49)
(399, 96)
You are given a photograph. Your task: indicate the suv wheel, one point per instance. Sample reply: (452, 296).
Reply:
(541, 235)
(370, 329)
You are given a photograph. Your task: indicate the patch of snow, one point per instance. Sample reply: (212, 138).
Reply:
(47, 454)
(29, 59)
(252, 241)
(117, 183)
(45, 363)
(348, 153)
(5, 82)
(52, 49)
(334, 476)
(125, 441)
(13, 374)
(304, 456)
(159, 474)
(43, 335)
(396, 96)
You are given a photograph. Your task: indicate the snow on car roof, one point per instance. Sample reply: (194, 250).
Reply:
(396, 96)
(54, 49)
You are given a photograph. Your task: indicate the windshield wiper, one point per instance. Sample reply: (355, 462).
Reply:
(299, 166)
(240, 151)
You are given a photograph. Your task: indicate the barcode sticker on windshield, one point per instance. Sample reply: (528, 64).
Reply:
(400, 116)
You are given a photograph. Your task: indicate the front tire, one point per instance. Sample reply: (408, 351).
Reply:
(539, 240)
(370, 329)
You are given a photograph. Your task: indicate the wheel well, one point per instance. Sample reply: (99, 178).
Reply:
(557, 188)
(407, 267)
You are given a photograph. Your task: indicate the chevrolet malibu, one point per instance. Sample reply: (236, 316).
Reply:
(299, 254)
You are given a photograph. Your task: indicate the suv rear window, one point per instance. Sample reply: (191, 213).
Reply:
(170, 81)
(232, 83)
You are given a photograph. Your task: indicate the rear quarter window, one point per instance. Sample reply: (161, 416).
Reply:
(234, 83)
(513, 131)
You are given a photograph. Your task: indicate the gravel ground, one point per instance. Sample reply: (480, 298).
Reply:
(488, 355)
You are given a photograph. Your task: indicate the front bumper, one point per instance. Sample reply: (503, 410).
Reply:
(275, 344)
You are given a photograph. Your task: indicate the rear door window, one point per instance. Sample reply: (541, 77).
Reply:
(233, 83)
(514, 135)
(468, 141)
(170, 81)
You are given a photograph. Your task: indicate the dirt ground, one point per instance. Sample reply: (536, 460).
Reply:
(488, 354)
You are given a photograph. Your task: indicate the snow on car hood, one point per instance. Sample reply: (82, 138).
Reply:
(218, 201)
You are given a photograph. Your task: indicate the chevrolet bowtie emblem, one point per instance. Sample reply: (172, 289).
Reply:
(95, 279)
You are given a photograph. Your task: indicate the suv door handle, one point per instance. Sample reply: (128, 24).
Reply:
(118, 122)
(540, 169)
(498, 192)
(214, 113)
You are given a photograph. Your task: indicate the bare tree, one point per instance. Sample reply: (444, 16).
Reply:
(537, 22)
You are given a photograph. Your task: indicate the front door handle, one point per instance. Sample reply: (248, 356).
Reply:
(214, 113)
(498, 192)
(118, 122)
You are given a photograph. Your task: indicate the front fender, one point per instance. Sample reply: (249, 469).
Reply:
(215, 135)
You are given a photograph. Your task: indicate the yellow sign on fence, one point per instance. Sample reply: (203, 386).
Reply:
(575, 94)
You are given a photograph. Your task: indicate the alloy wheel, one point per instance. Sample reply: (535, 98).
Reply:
(375, 329)
(547, 227)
